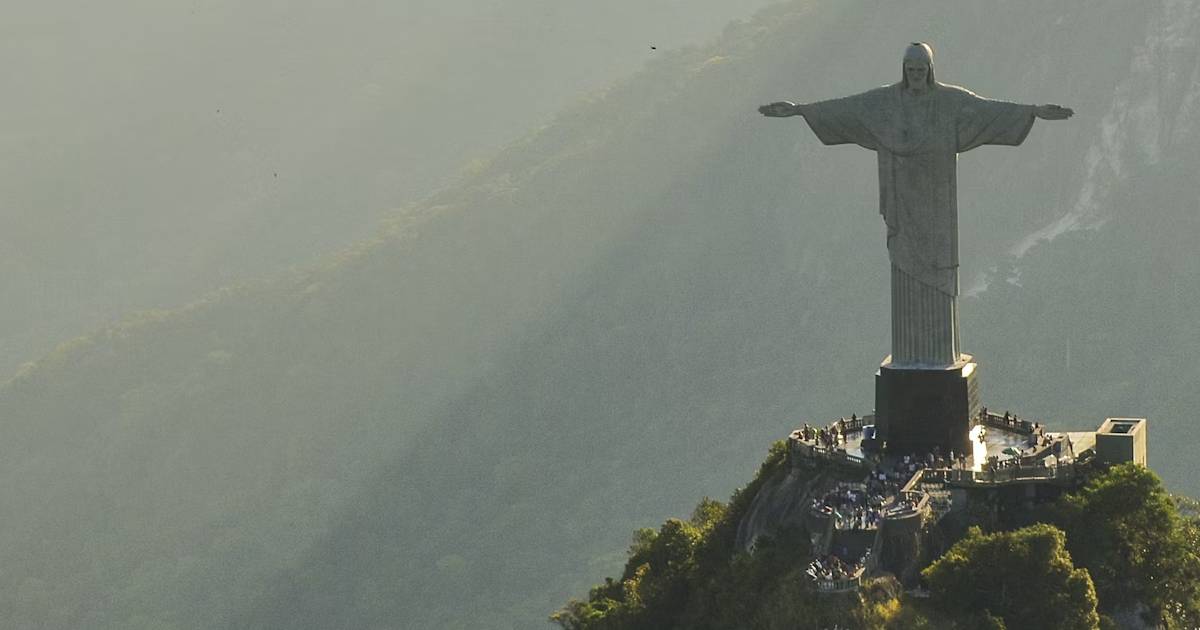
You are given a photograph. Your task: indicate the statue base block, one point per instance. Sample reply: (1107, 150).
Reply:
(919, 408)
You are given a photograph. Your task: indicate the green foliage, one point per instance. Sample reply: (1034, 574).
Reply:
(615, 313)
(664, 584)
(1024, 578)
(1126, 530)
(688, 574)
(708, 513)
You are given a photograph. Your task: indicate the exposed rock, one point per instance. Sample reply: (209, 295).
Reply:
(1131, 618)
(783, 500)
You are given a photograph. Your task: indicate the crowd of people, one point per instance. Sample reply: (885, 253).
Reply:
(831, 567)
(831, 437)
(855, 506)
(881, 493)
(903, 505)
(834, 438)
(902, 469)
(852, 506)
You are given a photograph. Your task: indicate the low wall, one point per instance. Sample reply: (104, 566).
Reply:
(1008, 474)
(804, 449)
(1013, 424)
(840, 586)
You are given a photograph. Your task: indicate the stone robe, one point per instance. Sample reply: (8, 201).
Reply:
(917, 138)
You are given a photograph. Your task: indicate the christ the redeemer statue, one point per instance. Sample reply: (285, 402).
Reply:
(917, 127)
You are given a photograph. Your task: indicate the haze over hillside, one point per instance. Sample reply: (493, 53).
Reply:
(456, 424)
(158, 150)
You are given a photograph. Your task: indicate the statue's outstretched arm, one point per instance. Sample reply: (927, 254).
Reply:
(1053, 112)
(780, 109)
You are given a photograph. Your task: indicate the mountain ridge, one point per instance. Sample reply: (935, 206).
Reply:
(455, 424)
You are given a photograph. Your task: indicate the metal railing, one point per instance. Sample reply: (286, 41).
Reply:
(1008, 474)
(916, 504)
(1011, 423)
(840, 585)
(805, 448)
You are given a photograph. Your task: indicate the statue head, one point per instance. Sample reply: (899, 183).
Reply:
(917, 67)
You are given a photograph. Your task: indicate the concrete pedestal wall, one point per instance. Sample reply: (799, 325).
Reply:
(918, 408)
(1121, 440)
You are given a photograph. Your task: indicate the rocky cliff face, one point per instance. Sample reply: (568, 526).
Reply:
(784, 500)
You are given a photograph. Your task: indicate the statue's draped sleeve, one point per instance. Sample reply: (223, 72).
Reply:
(847, 120)
(981, 121)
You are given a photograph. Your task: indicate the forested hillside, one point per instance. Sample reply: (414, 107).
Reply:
(455, 424)
(1114, 552)
(157, 150)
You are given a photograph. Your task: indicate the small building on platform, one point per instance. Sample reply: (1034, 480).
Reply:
(1121, 440)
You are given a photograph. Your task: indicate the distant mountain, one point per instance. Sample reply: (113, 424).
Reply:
(454, 425)
(229, 140)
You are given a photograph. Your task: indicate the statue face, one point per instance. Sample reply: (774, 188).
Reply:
(916, 73)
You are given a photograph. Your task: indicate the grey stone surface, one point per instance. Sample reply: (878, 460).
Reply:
(917, 127)
(784, 500)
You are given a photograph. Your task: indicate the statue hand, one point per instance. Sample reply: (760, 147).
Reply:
(780, 109)
(1053, 112)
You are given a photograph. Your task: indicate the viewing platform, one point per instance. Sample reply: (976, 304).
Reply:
(852, 520)
(1004, 448)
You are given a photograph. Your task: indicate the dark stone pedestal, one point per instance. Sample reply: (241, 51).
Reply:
(919, 408)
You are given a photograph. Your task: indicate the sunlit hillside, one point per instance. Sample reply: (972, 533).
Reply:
(158, 150)
(456, 424)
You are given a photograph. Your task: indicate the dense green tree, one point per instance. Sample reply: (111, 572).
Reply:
(1025, 578)
(1124, 528)
(690, 574)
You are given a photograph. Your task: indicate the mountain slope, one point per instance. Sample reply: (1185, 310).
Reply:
(453, 425)
(229, 140)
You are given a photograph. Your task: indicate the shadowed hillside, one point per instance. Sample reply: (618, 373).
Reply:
(451, 426)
